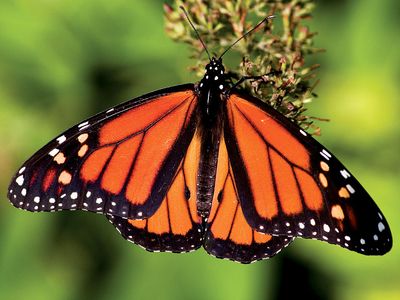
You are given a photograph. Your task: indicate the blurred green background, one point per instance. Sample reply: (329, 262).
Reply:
(62, 61)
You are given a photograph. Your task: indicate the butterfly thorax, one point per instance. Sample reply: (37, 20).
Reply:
(211, 94)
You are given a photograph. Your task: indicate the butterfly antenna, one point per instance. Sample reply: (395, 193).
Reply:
(197, 33)
(247, 33)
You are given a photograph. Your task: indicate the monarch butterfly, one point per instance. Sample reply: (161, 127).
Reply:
(203, 165)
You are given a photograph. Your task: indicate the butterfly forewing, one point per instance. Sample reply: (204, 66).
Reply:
(288, 184)
(120, 162)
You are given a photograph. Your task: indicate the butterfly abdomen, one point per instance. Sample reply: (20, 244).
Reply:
(206, 173)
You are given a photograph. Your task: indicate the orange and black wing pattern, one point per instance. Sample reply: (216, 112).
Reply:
(228, 234)
(176, 225)
(120, 162)
(290, 185)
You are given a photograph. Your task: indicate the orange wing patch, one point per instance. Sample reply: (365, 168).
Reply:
(256, 161)
(272, 131)
(276, 163)
(311, 192)
(190, 167)
(141, 117)
(228, 233)
(171, 228)
(48, 179)
(228, 222)
(153, 152)
(289, 195)
(117, 170)
(95, 163)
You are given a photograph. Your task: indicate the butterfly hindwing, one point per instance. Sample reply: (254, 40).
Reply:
(288, 184)
(119, 162)
(228, 235)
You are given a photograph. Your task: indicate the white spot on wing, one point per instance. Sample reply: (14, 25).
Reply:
(326, 228)
(21, 170)
(326, 153)
(345, 174)
(54, 152)
(23, 192)
(303, 132)
(36, 199)
(350, 188)
(84, 127)
(74, 195)
(20, 180)
(61, 139)
(83, 124)
(381, 227)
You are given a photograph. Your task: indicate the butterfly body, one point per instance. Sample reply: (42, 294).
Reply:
(203, 165)
(210, 107)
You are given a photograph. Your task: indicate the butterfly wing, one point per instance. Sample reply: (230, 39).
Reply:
(228, 234)
(119, 162)
(175, 226)
(289, 184)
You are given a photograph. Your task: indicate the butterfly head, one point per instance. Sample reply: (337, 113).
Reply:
(214, 76)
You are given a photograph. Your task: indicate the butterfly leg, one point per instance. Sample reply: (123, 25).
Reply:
(254, 78)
